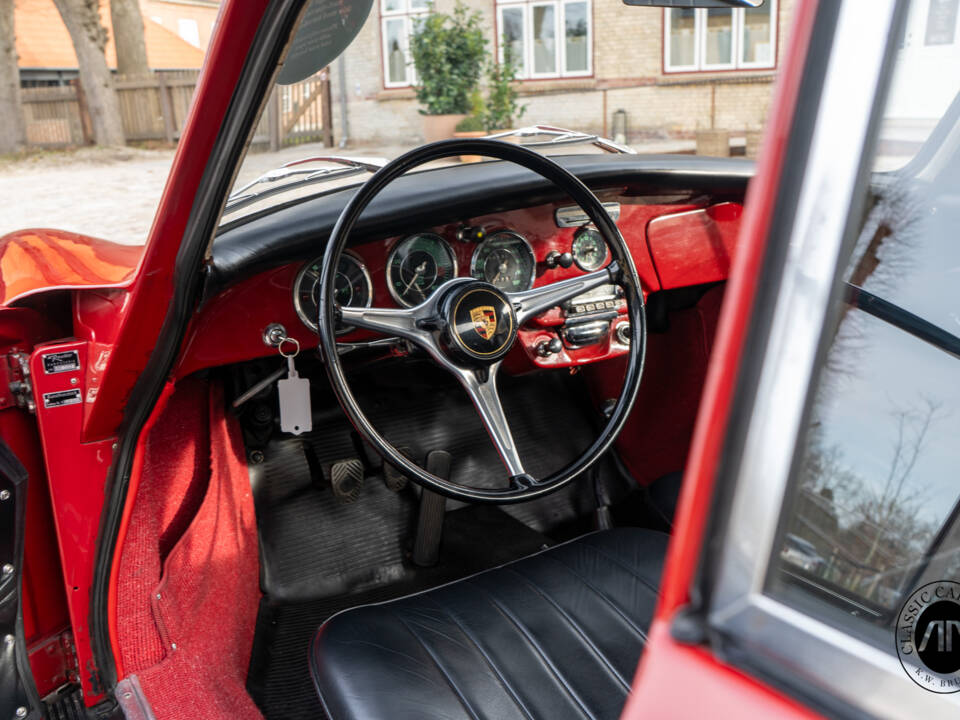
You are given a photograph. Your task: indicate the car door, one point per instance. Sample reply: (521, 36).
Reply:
(829, 416)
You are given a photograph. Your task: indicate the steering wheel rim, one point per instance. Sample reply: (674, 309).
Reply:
(621, 271)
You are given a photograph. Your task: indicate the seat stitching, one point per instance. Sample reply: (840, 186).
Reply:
(486, 658)
(617, 562)
(436, 662)
(576, 626)
(616, 608)
(537, 649)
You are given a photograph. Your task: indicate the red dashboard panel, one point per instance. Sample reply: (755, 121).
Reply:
(230, 328)
(694, 247)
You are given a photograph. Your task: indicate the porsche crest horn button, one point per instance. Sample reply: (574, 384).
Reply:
(484, 321)
(481, 321)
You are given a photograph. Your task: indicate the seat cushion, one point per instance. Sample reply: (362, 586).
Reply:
(555, 635)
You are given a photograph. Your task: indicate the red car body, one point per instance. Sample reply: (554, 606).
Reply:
(109, 303)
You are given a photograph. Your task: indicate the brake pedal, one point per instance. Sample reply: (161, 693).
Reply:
(433, 508)
(346, 479)
(393, 478)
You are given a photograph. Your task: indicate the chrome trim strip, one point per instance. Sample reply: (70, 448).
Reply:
(574, 216)
(818, 656)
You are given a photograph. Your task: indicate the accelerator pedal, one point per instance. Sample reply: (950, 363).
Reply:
(433, 507)
(393, 478)
(346, 479)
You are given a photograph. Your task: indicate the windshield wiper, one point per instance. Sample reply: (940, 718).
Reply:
(292, 175)
(560, 136)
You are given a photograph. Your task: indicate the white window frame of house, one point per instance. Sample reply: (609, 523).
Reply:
(526, 71)
(700, 63)
(406, 13)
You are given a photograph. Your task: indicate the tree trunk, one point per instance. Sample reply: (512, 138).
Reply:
(13, 135)
(128, 37)
(82, 18)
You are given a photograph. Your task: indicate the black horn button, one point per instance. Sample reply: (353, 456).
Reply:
(481, 322)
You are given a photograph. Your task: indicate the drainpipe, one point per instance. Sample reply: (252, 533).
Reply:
(342, 83)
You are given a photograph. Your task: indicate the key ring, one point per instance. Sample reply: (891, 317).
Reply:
(289, 354)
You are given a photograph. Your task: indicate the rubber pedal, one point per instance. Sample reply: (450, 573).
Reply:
(433, 509)
(346, 479)
(393, 478)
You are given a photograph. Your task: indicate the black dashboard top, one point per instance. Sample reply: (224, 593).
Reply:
(297, 229)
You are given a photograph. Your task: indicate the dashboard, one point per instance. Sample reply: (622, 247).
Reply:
(673, 244)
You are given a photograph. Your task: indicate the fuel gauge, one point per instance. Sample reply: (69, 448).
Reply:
(589, 249)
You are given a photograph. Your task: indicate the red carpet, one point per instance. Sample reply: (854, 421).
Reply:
(188, 584)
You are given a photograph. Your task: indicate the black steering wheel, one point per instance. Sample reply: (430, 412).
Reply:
(467, 326)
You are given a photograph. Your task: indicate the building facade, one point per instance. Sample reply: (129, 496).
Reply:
(670, 72)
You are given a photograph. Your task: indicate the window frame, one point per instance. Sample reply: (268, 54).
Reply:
(526, 71)
(737, 63)
(773, 394)
(406, 14)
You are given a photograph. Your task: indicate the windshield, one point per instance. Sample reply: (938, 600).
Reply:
(370, 79)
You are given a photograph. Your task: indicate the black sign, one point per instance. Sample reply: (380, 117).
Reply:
(61, 398)
(59, 362)
(928, 636)
(328, 26)
(941, 22)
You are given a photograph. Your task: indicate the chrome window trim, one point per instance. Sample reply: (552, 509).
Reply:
(817, 655)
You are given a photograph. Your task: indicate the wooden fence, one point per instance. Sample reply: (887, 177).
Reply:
(154, 107)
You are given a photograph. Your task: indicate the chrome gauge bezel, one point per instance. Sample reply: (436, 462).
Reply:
(298, 305)
(588, 267)
(491, 236)
(396, 247)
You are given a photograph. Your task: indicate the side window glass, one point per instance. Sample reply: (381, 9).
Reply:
(873, 510)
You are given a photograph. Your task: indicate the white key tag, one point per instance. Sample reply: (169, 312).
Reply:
(294, 393)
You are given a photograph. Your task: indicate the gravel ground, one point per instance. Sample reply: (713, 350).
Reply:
(113, 193)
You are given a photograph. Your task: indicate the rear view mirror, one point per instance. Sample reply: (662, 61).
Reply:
(697, 3)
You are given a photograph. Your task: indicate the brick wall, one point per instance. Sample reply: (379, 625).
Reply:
(628, 75)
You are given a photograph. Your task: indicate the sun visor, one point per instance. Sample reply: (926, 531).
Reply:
(327, 28)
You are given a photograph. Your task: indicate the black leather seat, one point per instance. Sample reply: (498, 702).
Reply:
(555, 635)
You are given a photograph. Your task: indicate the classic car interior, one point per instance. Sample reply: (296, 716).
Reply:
(313, 513)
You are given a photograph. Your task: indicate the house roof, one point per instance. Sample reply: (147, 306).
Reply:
(43, 41)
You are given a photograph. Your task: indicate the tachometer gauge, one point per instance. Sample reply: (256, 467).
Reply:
(504, 260)
(589, 249)
(352, 288)
(417, 266)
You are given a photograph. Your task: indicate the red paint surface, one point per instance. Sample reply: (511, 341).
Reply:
(43, 603)
(150, 292)
(676, 682)
(696, 246)
(32, 261)
(76, 472)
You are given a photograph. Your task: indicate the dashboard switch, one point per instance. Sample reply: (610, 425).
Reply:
(556, 259)
(546, 348)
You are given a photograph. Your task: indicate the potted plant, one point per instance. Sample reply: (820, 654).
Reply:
(502, 109)
(472, 126)
(448, 53)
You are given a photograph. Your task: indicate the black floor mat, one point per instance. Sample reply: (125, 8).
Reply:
(279, 677)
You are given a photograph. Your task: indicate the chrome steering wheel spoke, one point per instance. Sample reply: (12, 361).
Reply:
(481, 386)
(530, 303)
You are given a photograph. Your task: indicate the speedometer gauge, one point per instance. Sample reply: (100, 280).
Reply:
(504, 260)
(417, 266)
(352, 288)
(589, 249)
